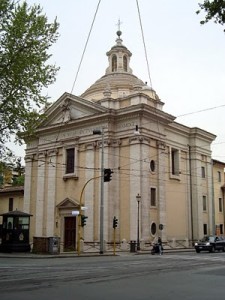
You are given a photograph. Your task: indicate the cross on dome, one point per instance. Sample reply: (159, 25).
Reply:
(119, 32)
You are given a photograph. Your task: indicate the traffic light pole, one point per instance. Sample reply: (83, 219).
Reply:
(114, 241)
(79, 216)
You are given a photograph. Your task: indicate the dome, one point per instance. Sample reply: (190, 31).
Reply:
(118, 79)
(119, 85)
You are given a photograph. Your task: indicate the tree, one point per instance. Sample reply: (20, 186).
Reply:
(12, 172)
(25, 38)
(214, 10)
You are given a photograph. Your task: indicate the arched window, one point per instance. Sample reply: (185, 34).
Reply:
(125, 63)
(114, 63)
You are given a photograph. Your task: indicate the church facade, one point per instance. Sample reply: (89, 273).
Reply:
(165, 165)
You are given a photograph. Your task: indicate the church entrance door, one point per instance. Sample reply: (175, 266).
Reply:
(70, 234)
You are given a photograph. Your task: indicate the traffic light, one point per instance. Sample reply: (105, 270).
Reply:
(83, 220)
(115, 222)
(107, 175)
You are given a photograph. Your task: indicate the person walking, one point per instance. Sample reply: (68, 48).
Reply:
(160, 246)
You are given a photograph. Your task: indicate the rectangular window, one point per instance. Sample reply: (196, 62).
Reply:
(219, 176)
(153, 196)
(175, 162)
(221, 228)
(220, 205)
(70, 160)
(10, 204)
(203, 172)
(204, 204)
(205, 231)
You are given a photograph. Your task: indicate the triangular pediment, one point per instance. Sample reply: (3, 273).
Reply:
(68, 203)
(69, 108)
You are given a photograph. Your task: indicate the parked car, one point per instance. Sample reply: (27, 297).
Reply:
(211, 244)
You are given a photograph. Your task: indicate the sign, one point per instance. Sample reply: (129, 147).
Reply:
(84, 208)
(75, 212)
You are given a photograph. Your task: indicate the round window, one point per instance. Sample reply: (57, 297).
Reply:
(152, 165)
(153, 228)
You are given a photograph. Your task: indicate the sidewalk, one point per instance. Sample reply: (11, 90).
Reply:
(87, 254)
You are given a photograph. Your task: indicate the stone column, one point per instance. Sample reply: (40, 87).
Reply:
(39, 221)
(88, 197)
(135, 187)
(106, 194)
(211, 204)
(161, 188)
(145, 186)
(114, 189)
(51, 193)
(27, 184)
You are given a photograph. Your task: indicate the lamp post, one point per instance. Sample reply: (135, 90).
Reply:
(101, 132)
(138, 197)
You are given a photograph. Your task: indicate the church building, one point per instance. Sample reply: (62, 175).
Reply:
(162, 171)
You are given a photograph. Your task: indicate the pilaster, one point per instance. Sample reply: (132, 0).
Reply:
(161, 188)
(27, 185)
(40, 194)
(51, 193)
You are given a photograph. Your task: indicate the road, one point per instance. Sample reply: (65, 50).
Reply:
(128, 276)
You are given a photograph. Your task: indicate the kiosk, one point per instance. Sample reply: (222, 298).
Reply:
(15, 232)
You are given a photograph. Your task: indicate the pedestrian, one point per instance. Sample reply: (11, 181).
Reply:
(160, 246)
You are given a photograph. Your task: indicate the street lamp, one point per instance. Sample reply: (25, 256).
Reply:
(138, 197)
(101, 132)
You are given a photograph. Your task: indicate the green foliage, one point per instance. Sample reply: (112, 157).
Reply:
(18, 181)
(11, 172)
(214, 10)
(25, 38)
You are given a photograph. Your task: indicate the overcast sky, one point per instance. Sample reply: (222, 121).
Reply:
(186, 59)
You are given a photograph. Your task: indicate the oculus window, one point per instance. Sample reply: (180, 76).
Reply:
(153, 228)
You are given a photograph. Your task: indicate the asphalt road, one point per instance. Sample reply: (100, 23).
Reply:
(134, 277)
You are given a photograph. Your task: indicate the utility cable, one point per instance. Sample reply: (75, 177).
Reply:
(202, 110)
(143, 39)
(85, 47)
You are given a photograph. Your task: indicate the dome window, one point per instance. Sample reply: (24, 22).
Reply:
(114, 63)
(125, 63)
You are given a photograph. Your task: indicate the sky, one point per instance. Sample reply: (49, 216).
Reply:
(186, 59)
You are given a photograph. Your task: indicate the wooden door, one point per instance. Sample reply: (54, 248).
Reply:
(70, 234)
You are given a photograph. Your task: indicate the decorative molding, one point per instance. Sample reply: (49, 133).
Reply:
(139, 139)
(29, 158)
(161, 145)
(116, 142)
(67, 203)
(70, 176)
(52, 152)
(90, 146)
(42, 154)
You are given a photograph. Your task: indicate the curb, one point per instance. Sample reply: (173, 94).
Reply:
(91, 254)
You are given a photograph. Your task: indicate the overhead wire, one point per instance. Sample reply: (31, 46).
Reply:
(143, 39)
(85, 47)
(65, 107)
